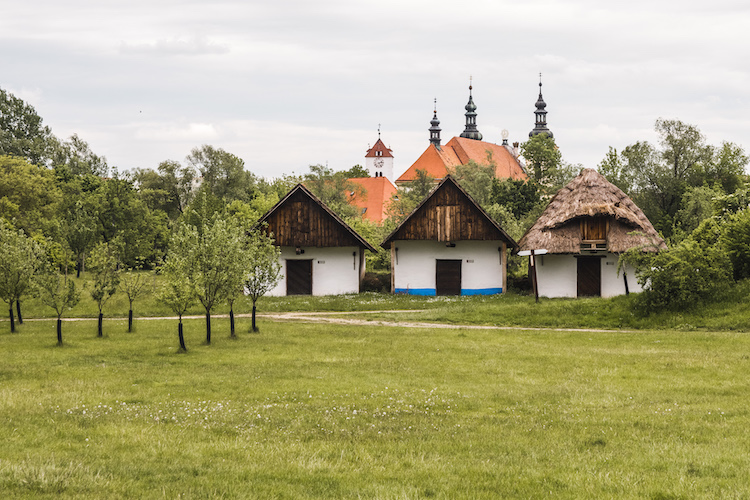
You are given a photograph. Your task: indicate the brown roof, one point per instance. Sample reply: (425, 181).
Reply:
(301, 219)
(379, 147)
(458, 151)
(378, 192)
(447, 214)
(591, 195)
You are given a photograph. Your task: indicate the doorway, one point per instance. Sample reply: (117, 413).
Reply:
(448, 277)
(589, 276)
(299, 277)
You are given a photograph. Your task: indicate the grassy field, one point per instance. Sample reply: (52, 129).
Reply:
(730, 313)
(322, 411)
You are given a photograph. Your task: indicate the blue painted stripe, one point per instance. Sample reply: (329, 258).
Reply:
(481, 291)
(430, 292)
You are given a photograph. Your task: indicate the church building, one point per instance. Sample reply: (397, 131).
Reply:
(438, 159)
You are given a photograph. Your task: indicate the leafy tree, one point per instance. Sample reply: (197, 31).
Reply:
(409, 196)
(686, 274)
(357, 171)
(615, 169)
(79, 229)
(21, 131)
(58, 292)
(210, 256)
(77, 156)
(171, 188)
(20, 259)
(334, 189)
(736, 240)
(133, 284)
(176, 290)
(28, 195)
(516, 195)
(477, 179)
(542, 156)
(223, 173)
(104, 266)
(263, 271)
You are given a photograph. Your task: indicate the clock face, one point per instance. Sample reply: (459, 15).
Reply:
(379, 162)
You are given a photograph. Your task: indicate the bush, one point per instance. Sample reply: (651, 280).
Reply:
(736, 240)
(377, 282)
(680, 277)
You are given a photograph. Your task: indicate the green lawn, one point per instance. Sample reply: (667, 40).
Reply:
(321, 411)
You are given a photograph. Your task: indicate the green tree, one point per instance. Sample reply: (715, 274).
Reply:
(263, 268)
(79, 229)
(103, 266)
(407, 197)
(21, 131)
(477, 179)
(211, 256)
(171, 188)
(76, 155)
(176, 290)
(542, 157)
(133, 285)
(736, 240)
(519, 196)
(223, 173)
(334, 189)
(58, 292)
(29, 195)
(20, 259)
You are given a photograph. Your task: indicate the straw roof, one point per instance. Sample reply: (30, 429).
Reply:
(591, 195)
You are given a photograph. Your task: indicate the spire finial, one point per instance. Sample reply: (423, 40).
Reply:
(471, 80)
(378, 131)
(435, 126)
(470, 131)
(540, 126)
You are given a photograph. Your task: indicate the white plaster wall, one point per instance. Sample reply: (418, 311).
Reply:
(557, 276)
(414, 264)
(334, 269)
(612, 284)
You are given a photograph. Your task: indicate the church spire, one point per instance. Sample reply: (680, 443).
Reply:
(541, 115)
(470, 131)
(435, 128)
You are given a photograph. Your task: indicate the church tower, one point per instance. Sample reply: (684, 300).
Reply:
(470, 131)
(435, 128)
(541, 115)
(379, 160)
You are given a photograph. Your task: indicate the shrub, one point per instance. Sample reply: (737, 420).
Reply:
(680, 277)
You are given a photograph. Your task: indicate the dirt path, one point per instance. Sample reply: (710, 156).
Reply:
(336, 318)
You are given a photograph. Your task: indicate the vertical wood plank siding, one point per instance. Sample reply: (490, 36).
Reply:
(447, 216)
(302, 222)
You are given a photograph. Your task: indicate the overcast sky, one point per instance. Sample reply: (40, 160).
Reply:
(285, 84)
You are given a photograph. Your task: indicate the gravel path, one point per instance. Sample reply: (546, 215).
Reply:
(337, 319)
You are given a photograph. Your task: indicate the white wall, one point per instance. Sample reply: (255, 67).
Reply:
(414, 266)
(334, 269)
(557, 276)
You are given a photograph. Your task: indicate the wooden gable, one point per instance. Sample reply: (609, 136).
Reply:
(449, 214)
(300, 219)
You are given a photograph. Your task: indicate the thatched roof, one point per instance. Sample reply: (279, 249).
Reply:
(591, 195)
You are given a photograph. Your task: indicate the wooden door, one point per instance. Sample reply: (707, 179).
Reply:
(448, 277)
(299, 277)
(589, 276)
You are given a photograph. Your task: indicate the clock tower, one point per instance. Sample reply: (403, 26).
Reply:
(379, 160)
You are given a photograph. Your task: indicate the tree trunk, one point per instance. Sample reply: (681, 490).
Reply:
(59, 331)
(18, 310)
(130, 320)
(208, 327)
(255, 328)
(231, 322)
(101, 318)
(182, 339)
(78, 269)
(12, 321)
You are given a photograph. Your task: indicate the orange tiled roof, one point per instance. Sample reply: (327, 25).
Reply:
(458, 151)
(379, 147)
(378, 192)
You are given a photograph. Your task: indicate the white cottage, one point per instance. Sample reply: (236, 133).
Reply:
(320, 253)
(580, 235)
(448, 246)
